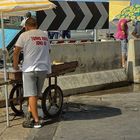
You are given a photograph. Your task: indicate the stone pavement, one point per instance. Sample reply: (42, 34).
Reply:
(104, 115)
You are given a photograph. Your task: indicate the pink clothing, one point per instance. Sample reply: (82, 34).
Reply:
(120, 33)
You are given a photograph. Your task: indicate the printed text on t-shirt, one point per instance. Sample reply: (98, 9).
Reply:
(40, 41)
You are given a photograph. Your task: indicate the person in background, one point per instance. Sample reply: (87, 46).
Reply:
(27, 15)
(36, 64)
(122, 35)
(136, 31)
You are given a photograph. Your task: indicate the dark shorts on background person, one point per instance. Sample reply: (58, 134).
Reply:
(123, 46)
(33, 82)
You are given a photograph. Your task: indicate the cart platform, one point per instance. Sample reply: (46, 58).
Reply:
(57, 69)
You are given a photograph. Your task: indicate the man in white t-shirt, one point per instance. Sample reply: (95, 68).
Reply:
(36, 65)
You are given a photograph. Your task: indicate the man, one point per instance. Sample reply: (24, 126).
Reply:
(27, 15)
(36, 65)
(122, 35)
(136, 32)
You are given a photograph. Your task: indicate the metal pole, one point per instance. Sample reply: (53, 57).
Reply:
(95, 35)
(5, 72)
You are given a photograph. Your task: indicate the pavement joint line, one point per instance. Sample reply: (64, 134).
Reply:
(1, 133)
(55, 131)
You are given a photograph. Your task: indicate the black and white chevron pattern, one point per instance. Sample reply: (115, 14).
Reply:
(71, 15)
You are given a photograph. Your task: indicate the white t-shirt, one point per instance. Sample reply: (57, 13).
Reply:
(36, 46)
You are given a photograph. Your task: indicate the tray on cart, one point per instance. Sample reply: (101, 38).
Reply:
(66, 67)
(11, 75)
(57, 69)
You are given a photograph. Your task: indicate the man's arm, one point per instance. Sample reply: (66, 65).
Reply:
(16, 57)
(135, 34)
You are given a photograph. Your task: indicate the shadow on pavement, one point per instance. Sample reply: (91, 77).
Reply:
(51, 121)
(78, 111)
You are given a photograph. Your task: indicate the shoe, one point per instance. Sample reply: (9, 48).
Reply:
(31, 124)
(28, 124)
(37, 125)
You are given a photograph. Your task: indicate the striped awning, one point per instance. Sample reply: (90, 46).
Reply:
(14, 6)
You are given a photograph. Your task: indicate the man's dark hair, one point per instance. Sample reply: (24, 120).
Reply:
(31, 22)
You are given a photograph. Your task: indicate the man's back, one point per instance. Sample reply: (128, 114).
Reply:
(36, 50)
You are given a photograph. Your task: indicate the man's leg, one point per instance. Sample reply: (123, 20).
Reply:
(30, 91)
(123, 60)
(124, 52)
(33, 107)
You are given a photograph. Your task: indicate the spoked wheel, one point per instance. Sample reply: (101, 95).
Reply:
(16, 99)
(52, 101)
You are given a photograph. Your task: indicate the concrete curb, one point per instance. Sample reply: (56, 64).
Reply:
(87, 82)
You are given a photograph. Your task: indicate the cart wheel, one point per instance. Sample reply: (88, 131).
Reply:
(16, 99)
(52, 101)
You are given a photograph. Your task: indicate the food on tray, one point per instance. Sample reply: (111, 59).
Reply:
(57, 62)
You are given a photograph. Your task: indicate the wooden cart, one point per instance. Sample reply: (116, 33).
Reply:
(52, 97)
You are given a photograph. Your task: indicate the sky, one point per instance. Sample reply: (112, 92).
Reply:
(135, 1)
(87, 0)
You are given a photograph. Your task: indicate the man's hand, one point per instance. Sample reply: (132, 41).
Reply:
(16, 58)
(16, 67)
(135, 35)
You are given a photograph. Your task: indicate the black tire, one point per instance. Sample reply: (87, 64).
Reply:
(16, 99)
(52, 101)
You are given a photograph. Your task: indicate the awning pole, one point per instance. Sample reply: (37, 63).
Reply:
(4, 67)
